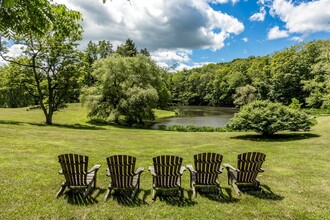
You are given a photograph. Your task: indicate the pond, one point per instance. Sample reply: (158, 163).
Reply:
(198, 116)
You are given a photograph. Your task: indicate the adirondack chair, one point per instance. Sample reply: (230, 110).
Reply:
(74, 168)
(248, 166)
(166, 173)
(121, 170)
(207, 169)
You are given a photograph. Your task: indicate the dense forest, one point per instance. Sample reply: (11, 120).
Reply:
(301, 72)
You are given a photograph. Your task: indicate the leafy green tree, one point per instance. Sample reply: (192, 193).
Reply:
(13, 92)
(267, 118)
(105, 49)
(145, 52)
(244, 95)
(126, 86)
(128, 49)
(318, 86)
(52, 61)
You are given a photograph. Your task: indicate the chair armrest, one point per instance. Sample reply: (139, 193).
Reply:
(261, 170)
(182, 169)
(152, 170)
(228, 166)
(94, 168)
(190, 168)
(60, 172)
(139, 170)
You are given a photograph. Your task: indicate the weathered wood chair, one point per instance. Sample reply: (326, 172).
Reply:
(248, 166)
(74, 168)
(121, 170)
(206, 172)
(166, 173)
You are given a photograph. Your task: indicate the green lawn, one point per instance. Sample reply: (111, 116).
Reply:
(296, 180)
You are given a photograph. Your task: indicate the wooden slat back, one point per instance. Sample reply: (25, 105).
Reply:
(122, 170)
(167, 169)
(74, 168)
(249, 165)
(207, 166)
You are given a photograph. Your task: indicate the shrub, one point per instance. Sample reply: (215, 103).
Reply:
(267, 118)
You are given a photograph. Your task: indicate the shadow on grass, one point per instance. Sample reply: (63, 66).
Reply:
(75, 197)
(9, 122)
(172, 197)
(211, 193)
(277, 137)
(264, 192)
(123, 197)
(72, 126)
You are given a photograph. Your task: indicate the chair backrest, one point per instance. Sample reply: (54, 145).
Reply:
(74, 168)
(207, 166)
(122, 170)
(167, 169)
(249, 165)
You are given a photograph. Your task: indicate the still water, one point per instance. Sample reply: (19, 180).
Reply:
(198, 116)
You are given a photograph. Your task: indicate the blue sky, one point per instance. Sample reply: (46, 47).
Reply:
(253, 41)
(192, 33)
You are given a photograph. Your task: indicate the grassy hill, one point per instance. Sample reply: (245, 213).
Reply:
(296, 180)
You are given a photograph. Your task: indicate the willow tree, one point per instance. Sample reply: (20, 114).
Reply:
(50, 55)
(126, 87)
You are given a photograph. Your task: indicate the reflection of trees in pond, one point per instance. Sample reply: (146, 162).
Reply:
(198, 116)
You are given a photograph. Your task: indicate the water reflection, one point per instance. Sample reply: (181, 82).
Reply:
(198, 116)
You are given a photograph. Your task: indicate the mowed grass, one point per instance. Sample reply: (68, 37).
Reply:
(296, 180)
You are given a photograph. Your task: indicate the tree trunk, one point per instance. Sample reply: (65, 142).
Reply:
(49, 119)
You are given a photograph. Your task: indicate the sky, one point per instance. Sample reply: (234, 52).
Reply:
(192, 33)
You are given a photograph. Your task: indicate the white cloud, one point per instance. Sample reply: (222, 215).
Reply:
(14, 51)
(259, 16)
(298, 39)
(164, 27)
(171, 56)
(276, 33)
(305, 18)
(245, 39)
(162, 24)
(222, 1)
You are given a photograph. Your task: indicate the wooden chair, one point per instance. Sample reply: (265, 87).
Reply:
(121, 170)
(74, 168)
(248, 166)
(207, 169)
(166, 173)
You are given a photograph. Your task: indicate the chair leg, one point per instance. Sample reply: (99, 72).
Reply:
(108, 194)
(194, 190)
(60, 192)
(134, 192)
(236, 188)
(87, 191)
(181, 193)
(153, 194)
(220, 192)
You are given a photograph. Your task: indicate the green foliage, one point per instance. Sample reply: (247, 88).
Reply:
(244, 95)
(266, 118)
(128, 49)
(20, 17)
(295, 104)
(13, 92)
(126, 86)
